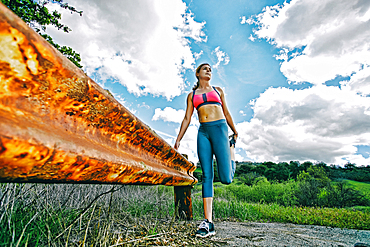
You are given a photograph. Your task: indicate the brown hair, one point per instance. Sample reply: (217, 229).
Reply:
(196, 72)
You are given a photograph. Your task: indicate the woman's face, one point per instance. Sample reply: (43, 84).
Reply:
(205, 72)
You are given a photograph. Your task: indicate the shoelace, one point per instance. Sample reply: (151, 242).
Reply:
(204, 225)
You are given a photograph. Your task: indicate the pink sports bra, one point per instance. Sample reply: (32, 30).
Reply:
(212, 97)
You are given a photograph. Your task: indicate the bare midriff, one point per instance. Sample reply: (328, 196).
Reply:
(209, 113)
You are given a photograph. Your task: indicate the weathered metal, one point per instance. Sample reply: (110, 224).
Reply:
(58, 125)
(183, 202)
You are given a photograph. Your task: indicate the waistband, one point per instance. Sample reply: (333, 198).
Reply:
(221, 121)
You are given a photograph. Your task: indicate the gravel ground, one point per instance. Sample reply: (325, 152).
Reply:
(232, 233)
(280, 234)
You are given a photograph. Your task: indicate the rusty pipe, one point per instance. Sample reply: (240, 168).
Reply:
(58, 125)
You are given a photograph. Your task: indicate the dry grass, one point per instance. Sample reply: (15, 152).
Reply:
(92, 215)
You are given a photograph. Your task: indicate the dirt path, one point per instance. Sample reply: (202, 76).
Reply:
(279, 234)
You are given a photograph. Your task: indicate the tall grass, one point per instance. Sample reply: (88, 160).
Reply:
(229, 203)
(64, 215)
(106, 215)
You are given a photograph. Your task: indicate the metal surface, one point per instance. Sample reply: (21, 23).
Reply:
(57, 125)
(183, 202)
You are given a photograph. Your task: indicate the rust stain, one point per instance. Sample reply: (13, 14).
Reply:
(58, 125)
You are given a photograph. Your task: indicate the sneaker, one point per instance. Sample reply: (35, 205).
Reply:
(232, 140)
(205, 229)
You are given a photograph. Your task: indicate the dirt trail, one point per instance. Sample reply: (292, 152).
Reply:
(280, 234)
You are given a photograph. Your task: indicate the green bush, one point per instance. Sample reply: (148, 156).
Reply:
(263, 192)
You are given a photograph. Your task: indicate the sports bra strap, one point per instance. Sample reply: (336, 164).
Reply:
(216, 91)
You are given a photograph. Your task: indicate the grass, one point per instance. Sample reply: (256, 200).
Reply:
(59, 214)
(362, 186)
(106, 215)
(226, 207)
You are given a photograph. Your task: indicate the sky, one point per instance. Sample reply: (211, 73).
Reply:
(296, 74)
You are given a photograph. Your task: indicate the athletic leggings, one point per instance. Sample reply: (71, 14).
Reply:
(213, 140)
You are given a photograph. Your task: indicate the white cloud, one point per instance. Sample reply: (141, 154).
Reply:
(243, 20)
(320, 123)
(168, 114)
(143, 45)
(197, 55)
(317, 41)
(333, 33)
(251, 38)
(359, 82)
(221, 57)
(188, 144)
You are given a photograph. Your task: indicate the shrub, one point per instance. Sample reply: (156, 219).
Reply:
(341, 195)
(264, 192)
(249, 178)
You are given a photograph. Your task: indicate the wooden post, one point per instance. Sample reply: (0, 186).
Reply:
(183, 203)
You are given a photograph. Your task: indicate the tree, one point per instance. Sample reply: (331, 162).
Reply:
(36, 15)
(294, 169)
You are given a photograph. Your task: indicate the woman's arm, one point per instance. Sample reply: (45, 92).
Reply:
(227, 114)
(185, 123)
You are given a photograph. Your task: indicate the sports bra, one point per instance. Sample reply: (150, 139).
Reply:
(212, 97)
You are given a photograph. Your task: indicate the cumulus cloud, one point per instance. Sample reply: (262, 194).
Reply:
(332, 34)
(359, 82)
(168, 114)
(142, 45)
(319, 124)
(188, 143)
(317, 41)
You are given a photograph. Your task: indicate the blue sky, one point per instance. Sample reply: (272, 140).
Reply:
(296, 73)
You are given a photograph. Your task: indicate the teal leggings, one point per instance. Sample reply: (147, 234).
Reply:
(213, 140)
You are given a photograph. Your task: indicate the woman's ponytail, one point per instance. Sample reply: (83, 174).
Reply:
(196, 86)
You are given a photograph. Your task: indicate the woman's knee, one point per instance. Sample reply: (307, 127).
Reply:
(227, 180)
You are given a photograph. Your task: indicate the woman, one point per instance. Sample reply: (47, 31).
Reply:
(212, 139)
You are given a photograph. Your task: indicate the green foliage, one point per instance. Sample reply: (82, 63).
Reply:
(248, 178)
(263, 192)
(340, 195)
(332, 217)
(284, 171)
(307, 192)
(361, 186)
(66, 215)
(37, 15)
(319, 174)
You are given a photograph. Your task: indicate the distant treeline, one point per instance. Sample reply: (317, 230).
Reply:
(284, 171)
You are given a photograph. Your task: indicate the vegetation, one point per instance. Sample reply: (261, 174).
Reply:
(60, 214)
(284, 171)
(36, 15)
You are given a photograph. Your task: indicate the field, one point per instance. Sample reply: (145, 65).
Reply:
(106, 215)
(364, 187)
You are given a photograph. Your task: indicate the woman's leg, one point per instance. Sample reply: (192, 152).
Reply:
(224, 154)
(206, 157)
(207, 205)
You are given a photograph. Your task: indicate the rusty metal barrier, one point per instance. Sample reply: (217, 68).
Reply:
(58, 126)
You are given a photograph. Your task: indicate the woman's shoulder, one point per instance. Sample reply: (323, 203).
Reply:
(190, 95)
(219, 89)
